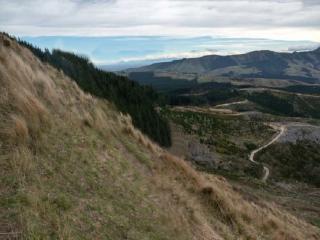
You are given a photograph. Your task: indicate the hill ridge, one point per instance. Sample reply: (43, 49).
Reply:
(302, 66)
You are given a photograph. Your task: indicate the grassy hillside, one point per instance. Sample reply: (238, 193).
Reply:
(73, 167)
(128, 96)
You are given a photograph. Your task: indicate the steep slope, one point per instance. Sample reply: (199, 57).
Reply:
(302, 66)
(128, 96)
(73, 167)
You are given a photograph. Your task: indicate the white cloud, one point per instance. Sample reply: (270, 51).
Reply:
(282, 19)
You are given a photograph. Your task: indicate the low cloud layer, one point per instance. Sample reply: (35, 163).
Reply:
(281, 19)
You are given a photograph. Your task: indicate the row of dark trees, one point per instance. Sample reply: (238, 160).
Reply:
(128, 96)
(212, 97)
(275, 104)
(290, 105)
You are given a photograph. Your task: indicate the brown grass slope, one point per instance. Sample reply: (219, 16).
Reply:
(72, 167)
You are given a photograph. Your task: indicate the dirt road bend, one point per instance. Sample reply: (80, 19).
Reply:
(266, 170)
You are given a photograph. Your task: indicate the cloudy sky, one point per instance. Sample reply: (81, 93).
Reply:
(287, 20)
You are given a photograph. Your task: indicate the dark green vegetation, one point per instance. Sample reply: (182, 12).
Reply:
(273, 104)
(128, 96)
(204, 94)
(299, 161)
(185, 92)
(286, 104)
(268, 101)
(306, 89)
(316, 223)
(214, 96)
(161, 84)
(231, 136)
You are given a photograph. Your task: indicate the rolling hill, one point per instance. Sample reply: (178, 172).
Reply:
(296, 66)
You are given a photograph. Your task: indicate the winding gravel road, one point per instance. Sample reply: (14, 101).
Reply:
(266, 170)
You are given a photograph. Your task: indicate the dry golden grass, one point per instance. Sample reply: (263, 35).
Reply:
(125, 122)
(19, 132)
(22, 163)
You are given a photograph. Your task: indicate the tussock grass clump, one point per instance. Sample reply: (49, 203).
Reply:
(185, 169)
(128, 128)
(19, 132)
(6, 43)
(33, 111)
(207, 190)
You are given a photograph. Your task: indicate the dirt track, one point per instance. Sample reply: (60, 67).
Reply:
(282, 129)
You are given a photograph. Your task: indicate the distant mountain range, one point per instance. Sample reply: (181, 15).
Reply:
(297, 66)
